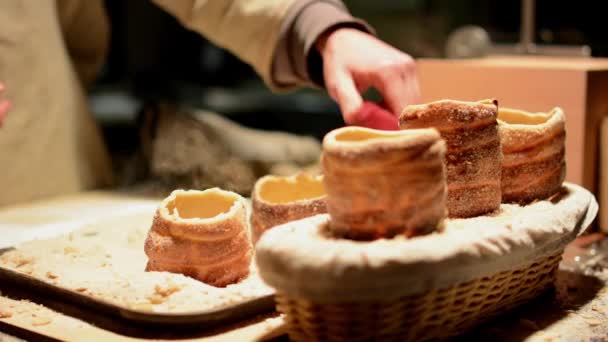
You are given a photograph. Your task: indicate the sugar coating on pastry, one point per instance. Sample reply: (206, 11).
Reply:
(277, 200)
(533, 147)
(201, 234)
(384, 183)
(473, 156)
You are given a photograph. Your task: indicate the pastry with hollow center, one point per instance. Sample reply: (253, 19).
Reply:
(473, 156)
(201, 234)
(384, 183)
(533, 148)
(277, 200)
(401, 289)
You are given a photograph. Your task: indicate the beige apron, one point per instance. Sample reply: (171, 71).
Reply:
(50, 143)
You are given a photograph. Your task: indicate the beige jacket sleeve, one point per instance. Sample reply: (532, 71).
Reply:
(247, 28)
(275, 37)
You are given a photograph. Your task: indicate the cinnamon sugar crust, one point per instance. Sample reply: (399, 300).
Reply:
(533, 147)
(473, 156)
(201, 234)
(276, 200)
(382, 184)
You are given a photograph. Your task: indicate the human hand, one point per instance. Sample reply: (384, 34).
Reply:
(5, 106)
(354, 61)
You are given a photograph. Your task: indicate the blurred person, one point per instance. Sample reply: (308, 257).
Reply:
(51, 51)
(5, 106)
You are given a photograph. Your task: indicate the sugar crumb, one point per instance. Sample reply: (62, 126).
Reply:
(38, 321)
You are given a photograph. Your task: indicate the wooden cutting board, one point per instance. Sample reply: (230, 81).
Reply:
(50, 218)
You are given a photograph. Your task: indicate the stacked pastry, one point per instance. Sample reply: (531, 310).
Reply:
(387, 187)
(382, 187)
(533, 147)
(201, 234)
(473, 156)
(277, 200)
(380, 184)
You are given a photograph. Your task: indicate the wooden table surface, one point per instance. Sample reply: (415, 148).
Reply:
(578, 310)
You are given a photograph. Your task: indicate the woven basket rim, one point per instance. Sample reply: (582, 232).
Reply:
(296, 261)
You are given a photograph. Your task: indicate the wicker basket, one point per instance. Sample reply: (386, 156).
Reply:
(433, 315)
(428, 288)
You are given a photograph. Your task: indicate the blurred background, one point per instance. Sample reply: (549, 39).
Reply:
(154, 58)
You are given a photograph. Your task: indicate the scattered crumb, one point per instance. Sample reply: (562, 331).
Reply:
(38, 321)
(23, 261)
(51, 275)
(70, 249)
(141, 306)
(169, 290)
(5, 314)
(593, 322)
(551, 338)
(80, 289)
(89, 233)
(596, 308)
(156, 298)
(587, 316)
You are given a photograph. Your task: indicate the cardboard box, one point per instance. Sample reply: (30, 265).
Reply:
(578, 85)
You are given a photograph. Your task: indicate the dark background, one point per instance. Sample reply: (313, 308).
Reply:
(153, 58)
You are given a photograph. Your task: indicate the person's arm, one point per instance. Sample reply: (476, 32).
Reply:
(5, 106)
(248, 28)
(292, 43)
(276, 37)
(297, 61)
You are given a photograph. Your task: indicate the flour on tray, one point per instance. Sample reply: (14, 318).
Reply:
(106, 261)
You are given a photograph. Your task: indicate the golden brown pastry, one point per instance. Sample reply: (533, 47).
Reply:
(533, 165)
(384, 183)
(277, 200)
(201, 234)
(473, 155)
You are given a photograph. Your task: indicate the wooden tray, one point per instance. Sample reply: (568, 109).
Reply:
(19, 284)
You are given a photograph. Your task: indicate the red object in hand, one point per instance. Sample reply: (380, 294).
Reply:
(372, 115)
